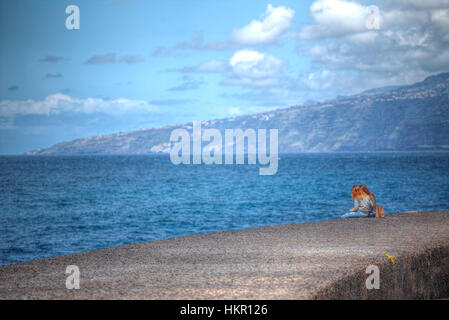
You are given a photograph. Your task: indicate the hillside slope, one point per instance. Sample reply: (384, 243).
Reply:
(413, 117)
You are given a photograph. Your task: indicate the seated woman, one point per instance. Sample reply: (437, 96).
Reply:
(363, 205)
(371, 195)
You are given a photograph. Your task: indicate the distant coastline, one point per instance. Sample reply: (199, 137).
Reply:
(283, 153)
(388, 119)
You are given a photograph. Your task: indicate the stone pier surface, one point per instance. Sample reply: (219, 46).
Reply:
(320, 260)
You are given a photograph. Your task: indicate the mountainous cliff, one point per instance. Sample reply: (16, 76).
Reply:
(412, 117)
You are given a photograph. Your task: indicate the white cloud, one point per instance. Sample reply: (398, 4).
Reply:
(244, 68)
(318, 80)
(58, 103)
(440, 18)
(336, 18)
(268, 30)
(347, 57)
(254, 65)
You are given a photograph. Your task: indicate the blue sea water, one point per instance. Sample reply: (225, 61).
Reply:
(58, 205)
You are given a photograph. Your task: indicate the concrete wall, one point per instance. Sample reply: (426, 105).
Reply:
(423, 275)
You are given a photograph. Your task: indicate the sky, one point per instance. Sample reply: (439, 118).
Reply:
(136, 64)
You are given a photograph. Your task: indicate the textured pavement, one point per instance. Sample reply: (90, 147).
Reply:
(323, 260)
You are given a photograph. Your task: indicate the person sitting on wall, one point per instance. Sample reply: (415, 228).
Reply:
(363, 204)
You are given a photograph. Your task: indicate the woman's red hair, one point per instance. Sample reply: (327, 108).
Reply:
(365, 189)
(358, 193)
(355, 191)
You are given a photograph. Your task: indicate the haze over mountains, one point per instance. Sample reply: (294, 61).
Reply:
(401, 118)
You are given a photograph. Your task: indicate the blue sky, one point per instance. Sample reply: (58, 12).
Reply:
(136, 64)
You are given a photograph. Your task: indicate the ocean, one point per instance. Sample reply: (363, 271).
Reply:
(66, 204)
